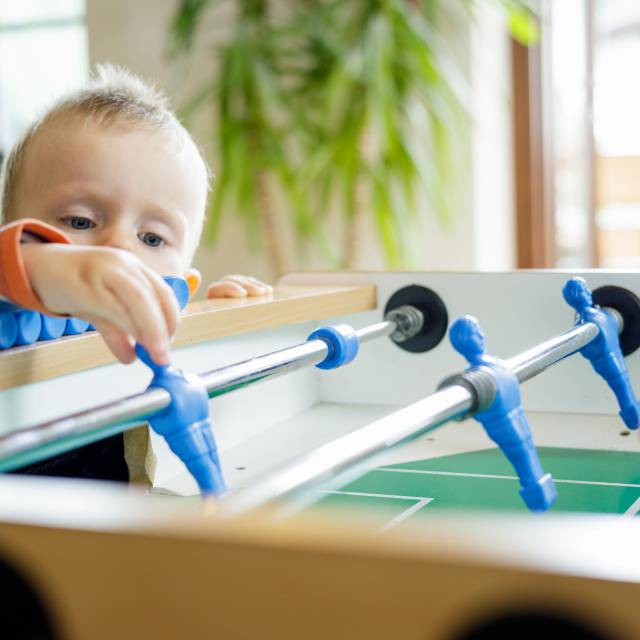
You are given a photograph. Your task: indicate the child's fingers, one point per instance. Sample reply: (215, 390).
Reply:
(262, 287)
(145, 313)
(226, 289)
(120, 344)
(252, 286)
(168, 302)
(135, 308)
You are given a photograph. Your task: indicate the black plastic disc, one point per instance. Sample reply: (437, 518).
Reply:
(627, 304)
(435, 315)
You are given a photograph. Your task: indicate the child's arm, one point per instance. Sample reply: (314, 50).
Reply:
(111, 288)
(238, 286)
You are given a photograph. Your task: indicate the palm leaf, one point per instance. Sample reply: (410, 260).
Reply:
(340, 98)
(184, 23)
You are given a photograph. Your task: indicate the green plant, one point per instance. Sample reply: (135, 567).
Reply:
(385, 118)
(354, 104)
(249, 106)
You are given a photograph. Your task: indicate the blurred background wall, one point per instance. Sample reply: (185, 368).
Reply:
(134, 34)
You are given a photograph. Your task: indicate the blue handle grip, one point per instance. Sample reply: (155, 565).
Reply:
(20, 326)
(342, 343)
(29, 327)
(52, 327)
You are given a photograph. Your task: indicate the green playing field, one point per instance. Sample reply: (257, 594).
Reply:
(587, 481)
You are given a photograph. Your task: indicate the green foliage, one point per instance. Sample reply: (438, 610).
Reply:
(384, 109)
(355, 104)
(251, 133)
(523, 21)
(184, 24)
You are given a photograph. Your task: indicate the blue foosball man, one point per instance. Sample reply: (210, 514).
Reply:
(504, 420)
(185, 422)
(604, 351)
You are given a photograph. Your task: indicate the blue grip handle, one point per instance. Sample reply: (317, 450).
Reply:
(75, 326)
(8, 329)
(20, 326)
(29, 326)
(52, 327)
(342, 343)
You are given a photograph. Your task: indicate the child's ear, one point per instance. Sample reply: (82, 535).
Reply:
(194, 279)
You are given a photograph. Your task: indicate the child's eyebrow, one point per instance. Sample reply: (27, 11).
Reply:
(95, 203)
(173, 217)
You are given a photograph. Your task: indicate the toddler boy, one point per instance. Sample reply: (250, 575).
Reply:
(103, 195)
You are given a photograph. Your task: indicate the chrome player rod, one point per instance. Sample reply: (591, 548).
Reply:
(125, 412)
(334, 458)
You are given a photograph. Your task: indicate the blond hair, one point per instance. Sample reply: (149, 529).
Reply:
(113, 96)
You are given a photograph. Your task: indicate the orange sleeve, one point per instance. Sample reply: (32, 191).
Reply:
(14, 282)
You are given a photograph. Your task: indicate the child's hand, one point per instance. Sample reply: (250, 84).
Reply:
(124, 299)
(237, 286)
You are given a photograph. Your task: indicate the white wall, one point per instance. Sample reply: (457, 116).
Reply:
(134, 34)
(493, 209)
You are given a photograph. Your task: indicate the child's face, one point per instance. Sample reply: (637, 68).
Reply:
(118, 186)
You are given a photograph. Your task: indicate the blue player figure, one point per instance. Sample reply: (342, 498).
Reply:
(604, 352)
(505, 421)
(185, 424)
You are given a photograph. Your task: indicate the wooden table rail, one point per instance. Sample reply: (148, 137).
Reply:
(203, 321)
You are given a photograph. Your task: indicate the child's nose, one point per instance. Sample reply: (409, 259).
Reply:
(118, 239)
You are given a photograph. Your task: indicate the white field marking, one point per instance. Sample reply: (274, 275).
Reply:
(394, 522)
(633, 509)
(498, 477)
(376, 495)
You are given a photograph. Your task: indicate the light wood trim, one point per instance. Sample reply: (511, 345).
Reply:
(203, 321)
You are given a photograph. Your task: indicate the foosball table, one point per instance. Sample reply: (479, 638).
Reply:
(420, 455)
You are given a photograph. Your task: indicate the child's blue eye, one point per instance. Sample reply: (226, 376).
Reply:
(152, 239)
(79, 223)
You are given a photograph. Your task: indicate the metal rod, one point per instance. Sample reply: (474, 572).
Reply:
(281, 362)
(128, 410)
(530, 363)
(385, 328)
(328, 461)
(125, 410)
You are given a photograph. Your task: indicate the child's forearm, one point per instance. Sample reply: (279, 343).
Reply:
(111, 288)
(14, 280)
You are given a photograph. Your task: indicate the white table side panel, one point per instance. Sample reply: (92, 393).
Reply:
(517, 310)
